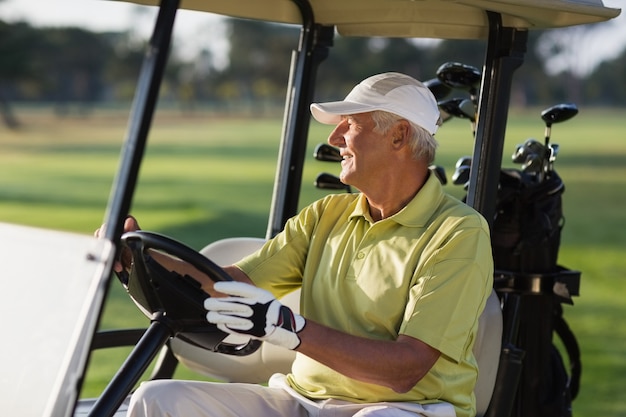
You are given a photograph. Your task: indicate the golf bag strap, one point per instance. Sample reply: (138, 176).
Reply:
(570, 343)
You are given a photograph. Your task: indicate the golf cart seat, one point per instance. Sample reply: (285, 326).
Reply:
(269, 359)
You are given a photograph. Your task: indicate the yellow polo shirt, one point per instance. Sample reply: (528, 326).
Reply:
(425, 272)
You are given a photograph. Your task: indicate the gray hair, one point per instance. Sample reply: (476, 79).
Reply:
(423, 144)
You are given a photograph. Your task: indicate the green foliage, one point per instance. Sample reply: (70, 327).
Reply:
(71, 64)
(16, 43)
(205, 178)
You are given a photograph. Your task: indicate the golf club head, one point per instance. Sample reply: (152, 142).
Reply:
(534, 164)
(464, 160)
(439, 89)
(452, 106)
(531, 146)
(519, 154)
(460, 76)
(461, 175)
(553, 151)
(440, 173)
(468, 107)
(325, 152)
(559, 113)
(325, 181)
(444, 116)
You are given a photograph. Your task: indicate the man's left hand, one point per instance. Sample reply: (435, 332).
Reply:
(252, 311)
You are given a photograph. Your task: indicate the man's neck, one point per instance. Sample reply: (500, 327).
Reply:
(392, 200)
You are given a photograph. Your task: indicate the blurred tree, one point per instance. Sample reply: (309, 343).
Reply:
(353, 59)
(470, 52)
(122, 69)
(74, 60)
(259, 60)
(17, 43)
(531, 85)
(606, 86)
(56, 64)
(67, 65)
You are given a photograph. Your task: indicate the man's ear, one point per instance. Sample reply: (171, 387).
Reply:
(400, 134)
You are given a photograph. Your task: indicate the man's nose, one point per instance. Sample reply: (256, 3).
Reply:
(336, 136)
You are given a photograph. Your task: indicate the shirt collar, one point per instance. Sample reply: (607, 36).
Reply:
(416, 213)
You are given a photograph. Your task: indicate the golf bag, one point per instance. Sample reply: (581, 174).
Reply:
(526, 238)
(527, 225)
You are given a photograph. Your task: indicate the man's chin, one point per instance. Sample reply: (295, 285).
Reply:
(345, 179)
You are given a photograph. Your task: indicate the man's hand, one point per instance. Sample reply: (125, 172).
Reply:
(125, 257)
(254, 312)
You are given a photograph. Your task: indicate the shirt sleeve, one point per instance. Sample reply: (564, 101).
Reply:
(450, 292)
(278, 266)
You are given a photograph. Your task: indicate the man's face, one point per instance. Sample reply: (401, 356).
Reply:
(363, 150)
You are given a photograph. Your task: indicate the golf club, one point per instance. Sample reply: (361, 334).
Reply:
(326, 181)
(438, 88)
(440, 173)
(460, 76)
(557, 114)
(326, 153)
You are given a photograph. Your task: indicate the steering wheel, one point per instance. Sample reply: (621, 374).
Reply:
(177, 299)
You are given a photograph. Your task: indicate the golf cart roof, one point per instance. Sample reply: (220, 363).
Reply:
(445, 19)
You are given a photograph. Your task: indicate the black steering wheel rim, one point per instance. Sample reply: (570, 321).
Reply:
(180, 299)
(156, 241)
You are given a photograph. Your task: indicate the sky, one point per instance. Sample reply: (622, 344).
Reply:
(195, 30)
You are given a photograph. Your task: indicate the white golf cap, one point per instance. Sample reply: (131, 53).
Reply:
(391, 92)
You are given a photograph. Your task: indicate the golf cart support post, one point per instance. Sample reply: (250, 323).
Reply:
(503, 22)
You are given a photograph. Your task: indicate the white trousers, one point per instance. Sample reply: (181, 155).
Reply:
(175, 398)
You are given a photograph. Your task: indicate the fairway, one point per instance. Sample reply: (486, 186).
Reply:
(207, 177)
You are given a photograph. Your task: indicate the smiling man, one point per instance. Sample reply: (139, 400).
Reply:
(393, 282)
(384, 128)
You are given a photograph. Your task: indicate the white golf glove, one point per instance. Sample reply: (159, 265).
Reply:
(252, 311)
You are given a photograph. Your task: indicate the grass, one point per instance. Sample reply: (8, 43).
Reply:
(205, 178)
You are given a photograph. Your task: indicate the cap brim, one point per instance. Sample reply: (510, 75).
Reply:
(330, 113)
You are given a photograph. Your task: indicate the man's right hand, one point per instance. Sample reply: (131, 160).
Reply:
(130, 225)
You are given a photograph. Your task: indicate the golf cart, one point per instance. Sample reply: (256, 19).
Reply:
(174, 305)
